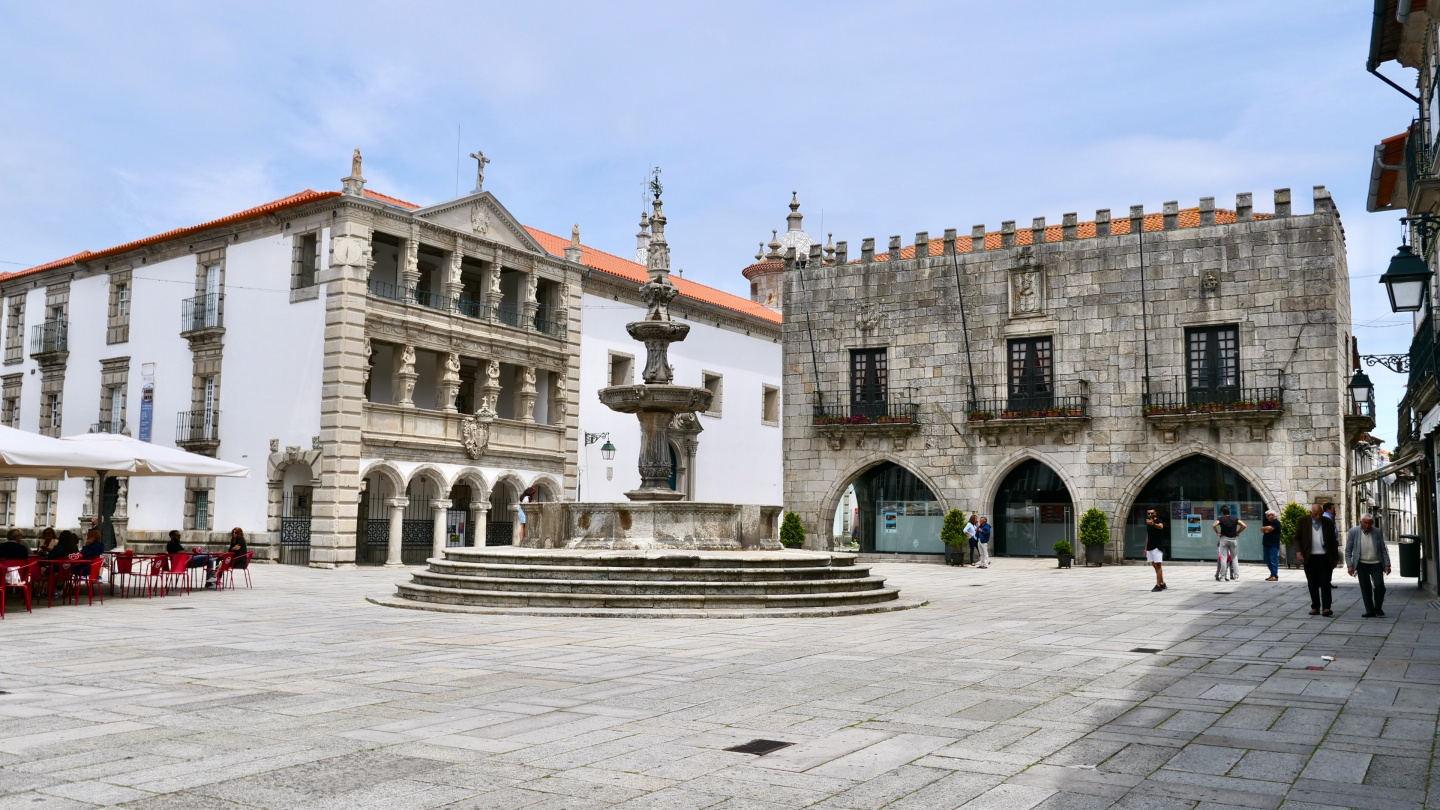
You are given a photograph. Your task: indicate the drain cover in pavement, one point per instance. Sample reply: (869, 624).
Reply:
(1146, 649)
(759, 747)
(180, 608)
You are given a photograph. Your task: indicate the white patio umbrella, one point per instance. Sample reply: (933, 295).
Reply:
(30, 455)
(146, 459)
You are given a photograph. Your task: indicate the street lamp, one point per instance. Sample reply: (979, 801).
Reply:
(1361, 388)
(1406, 280)
(607, 450)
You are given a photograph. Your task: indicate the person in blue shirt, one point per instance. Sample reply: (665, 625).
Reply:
(982, 535)
(1270, 542)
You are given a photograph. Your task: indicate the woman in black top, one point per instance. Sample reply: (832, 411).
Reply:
(238, 548)
(69, 544)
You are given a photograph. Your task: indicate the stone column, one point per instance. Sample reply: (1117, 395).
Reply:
(692, 446)
(528, 302)
(342, 394)
(405, 377)
(525, 394)
(397, 528)
(490, 390)
(449, 385)
(453, 287)
(410, 263)
(438, 510)
(478, 513)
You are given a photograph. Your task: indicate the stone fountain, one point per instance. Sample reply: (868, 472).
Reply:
(656, 555)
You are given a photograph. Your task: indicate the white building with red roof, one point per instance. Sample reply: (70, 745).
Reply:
(396, 377)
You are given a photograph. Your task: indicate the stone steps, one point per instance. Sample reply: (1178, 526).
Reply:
(618, 573)
(648, 587)
(464, 596)
(580, 582)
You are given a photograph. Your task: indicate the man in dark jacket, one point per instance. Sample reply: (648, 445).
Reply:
(14, 547)
(1319, 551)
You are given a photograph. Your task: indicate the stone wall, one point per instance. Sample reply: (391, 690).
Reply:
(1282, 278)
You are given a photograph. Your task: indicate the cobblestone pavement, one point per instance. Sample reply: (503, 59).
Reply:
(1019, 687)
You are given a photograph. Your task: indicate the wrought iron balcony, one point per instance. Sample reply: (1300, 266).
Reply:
(432, 300)
(1268, 402)
(510, 315)
(506, 314)
(1422, 354)
(202, 312)
(110, 426)
(197, 429)
(551, 328)
(1064, 400)
(386, 290)
(478, 310)
(51, 336)
(843, 411)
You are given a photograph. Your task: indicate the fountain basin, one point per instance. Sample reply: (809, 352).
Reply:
(656, 398)
(652, 525)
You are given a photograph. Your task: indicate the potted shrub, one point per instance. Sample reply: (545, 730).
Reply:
(792, 531)
(1065, 552)
(952, 534)
(1094, 534)
(1289, 516)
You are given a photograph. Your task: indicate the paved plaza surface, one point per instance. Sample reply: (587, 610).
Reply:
(1017, 687)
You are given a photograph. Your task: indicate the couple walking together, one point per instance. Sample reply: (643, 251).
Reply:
(977, 530)
(1317, 544)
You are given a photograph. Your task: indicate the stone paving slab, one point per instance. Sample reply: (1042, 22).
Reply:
(1025, 692)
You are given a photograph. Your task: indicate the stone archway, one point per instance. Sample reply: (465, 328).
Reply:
(1031, 509)
(1187, 488)
(819, 533)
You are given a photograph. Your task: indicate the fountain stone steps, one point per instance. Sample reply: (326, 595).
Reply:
(645, 583)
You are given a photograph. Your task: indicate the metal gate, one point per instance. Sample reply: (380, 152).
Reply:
(500, 529)
(295, 527)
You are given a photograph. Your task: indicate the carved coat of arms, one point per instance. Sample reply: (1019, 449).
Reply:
(475, 433)
(479, 220)
(1027, 292)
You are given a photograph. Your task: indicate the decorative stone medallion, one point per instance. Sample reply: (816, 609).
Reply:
(1027, 292)
(475, 433)
(479, 220)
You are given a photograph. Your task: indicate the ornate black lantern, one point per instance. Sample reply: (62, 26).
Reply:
(1406, 280)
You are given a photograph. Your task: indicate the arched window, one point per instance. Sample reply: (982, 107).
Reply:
(1033, 511)
(1187, 495)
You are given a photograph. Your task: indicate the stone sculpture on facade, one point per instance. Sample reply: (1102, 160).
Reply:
(480, 161)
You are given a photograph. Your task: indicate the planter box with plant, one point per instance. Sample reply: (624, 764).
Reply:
(792, 531)
(1094, 534)
(1065, 552)
(1289, 517)
(952, 534)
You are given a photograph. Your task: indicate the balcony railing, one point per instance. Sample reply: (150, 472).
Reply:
(50, 336)
(842, 410)
(202, 312)
(195, 427)
(1214, 401)
(1406, 421)
(111, 426)
(1417, 155)
(1422, 353)
(1064, 400)
(507, 314)
(1364, 409)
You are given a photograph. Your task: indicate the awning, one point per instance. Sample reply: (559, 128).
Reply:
(1380, 472)
(1388, 190)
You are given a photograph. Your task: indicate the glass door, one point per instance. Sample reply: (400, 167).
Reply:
(1032, 385)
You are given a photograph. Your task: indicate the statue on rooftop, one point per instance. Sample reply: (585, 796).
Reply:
(480, 161)
(355, 164)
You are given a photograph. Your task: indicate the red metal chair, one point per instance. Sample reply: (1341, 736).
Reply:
(227, 571)
(87, 579)
(25, 572)
(123, 565)
(176, 570)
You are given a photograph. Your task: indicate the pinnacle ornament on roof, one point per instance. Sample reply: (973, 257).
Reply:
(642, 241)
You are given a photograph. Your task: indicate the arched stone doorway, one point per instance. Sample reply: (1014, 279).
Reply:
(893, 512)
(1033, 511)
(1187, 495)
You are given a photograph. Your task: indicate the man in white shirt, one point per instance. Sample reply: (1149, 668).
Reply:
(1319, 551)
(1366, 555)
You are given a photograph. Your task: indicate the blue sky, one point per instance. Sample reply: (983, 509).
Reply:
(123, 120)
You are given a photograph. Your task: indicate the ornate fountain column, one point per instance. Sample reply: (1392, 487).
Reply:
(656, 402)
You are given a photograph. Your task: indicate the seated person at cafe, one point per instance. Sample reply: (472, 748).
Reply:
(69, 544)
(174, 546)
(14, 547)
(47, 542)
(93, 548)
(238, 547)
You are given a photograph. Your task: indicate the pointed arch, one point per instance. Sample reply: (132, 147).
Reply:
(819, 524)
(1024, 454)
(1157, 465)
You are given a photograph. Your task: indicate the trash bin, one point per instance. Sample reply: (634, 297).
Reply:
(1409, 555)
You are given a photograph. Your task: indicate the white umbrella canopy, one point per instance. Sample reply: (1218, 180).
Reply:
(30, 455)
(148, 459)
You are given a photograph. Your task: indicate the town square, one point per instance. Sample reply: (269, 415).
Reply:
(1069, 439)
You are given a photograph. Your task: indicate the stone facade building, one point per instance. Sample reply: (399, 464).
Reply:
(1067, 382)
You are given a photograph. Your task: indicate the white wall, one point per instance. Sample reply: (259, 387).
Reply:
(739, 456)
(270, 377)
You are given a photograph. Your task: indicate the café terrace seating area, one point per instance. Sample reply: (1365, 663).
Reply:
(36, 582)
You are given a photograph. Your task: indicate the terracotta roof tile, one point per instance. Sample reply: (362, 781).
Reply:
(1119, 226)
(626, 269)
(1394, 155)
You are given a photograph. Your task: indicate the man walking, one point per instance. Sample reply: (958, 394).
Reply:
(1154, 539)
(1227, 527)
(1366, 554)
(1270, 541)
(1319, 552)
(972, 527)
